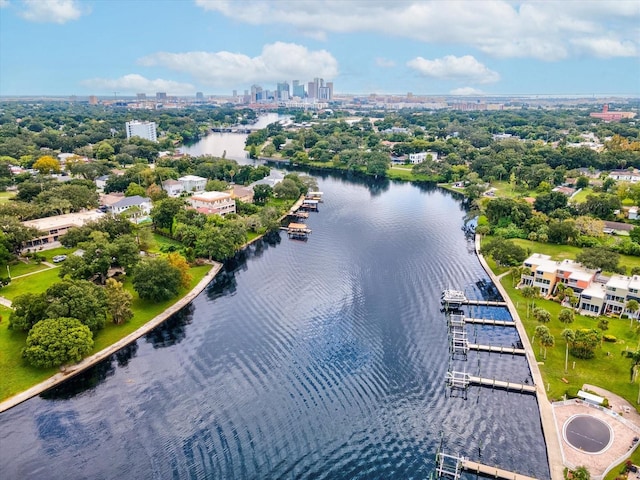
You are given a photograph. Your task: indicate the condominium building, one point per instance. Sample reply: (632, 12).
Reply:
(193, 183)
(597, 295)
(145, 130)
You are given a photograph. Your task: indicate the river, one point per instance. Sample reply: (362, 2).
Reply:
(229, 145)
(322, 359)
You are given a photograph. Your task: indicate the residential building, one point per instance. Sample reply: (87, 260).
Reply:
(632, 176)
(52, 228)
(101, 182)
(633, 213)
(219, 203)
(146, 130)
(591, 300)
(143, 203)
(241, 193)
(173, 187)
(422, 156)
(193, 183)
(545, 274)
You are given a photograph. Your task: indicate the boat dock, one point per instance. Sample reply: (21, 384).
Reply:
(488, 321)
(494, 348)
(298, 231)
(309, 205)
(454, 299)
(462, 380)
(315, 196)
(450, 466)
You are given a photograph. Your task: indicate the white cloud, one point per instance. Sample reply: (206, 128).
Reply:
(466, 91)
(606, 47)
(4, 3)
(134, 83)
(51, 11)
(385, 62)
(278, 61)
(463, 69)
(502, 28)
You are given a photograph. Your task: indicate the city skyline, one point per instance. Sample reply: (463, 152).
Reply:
(78, 47)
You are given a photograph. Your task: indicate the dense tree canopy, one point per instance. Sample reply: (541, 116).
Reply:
(56, 341)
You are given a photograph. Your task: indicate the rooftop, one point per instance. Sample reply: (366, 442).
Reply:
(69, 219)
(211, 196)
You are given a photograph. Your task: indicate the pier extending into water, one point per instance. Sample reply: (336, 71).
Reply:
(454, 299)
(451, 466)
(462, 381)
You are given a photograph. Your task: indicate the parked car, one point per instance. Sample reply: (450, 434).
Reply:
(59, 258)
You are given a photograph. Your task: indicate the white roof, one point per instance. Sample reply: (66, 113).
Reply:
(537, 258)
(548, 267)
(590, 397)
(618, 281)
(634, 282)
(595, 290)
(210, 196)
(191, 178)
(76, 219)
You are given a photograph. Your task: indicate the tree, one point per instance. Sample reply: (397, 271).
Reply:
(181, 264)
(544, 337)
(582, 182)
(261, 193)
(287, 189)
(548, 202)
(118, 302)
(530, 293)
(104, 151)
(79, 299)
(585, 343)
(134, 189)
(566, 315)
(216, 186)
(55, 341)
(29, 309)
(47, 165)
(542, 315)
(635, 361)
(632, 306)
(164, 212)
(156, 279)
(505, 252)
(569, 336)
(580, 473)
(599, 258)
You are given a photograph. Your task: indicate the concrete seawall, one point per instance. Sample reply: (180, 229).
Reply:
(547, 419)
(88, 362)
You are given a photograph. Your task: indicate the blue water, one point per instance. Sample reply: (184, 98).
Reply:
(322, 359)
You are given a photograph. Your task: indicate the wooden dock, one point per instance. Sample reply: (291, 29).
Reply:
(494, 348)
(493, 472)
(488, 321)
(298, 231)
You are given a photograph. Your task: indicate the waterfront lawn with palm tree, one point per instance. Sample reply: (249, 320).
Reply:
(609, 369)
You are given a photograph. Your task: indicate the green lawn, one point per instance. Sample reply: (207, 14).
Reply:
(18, 268)
(17, 376)
(6, 196)
(609, 369)
(581, 196)
(504, 189)
(36, 283)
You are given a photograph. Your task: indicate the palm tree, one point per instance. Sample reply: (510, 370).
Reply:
(541, 315)
(569, 336)
(530, 293)
(581, 473)
(566, 315)
(635, 361)
(545, 338)
(632, 306)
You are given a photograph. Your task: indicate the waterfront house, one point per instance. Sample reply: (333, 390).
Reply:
(52, 228)
(415, 158)
(244, 194)
(193, 183)
(219, 203)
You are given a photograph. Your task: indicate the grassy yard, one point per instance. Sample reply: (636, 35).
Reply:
(17, 376)
(18, 268)
(581, 196)
(6, 196)
(608, 369)
(36, 283)
(504, 189)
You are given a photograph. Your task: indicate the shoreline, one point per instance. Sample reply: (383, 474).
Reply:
(72, 370)
(547, 417)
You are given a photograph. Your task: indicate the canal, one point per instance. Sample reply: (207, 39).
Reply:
(322, 359)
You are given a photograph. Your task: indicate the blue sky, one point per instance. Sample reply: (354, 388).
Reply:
(97, 47)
